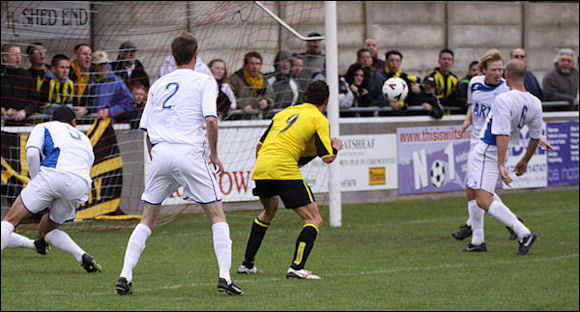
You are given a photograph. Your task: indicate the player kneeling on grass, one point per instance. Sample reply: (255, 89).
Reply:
(296, 135)
(60, 182)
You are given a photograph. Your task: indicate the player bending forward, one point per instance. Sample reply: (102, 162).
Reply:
(296, 135)
(511, 111)
(59, 160)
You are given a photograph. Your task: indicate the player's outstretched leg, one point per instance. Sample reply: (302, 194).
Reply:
(513, 234)
(17, 240)
(257, 233)
(64, 242)
(525, 237)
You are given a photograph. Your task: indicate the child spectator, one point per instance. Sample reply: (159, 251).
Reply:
(226, 98)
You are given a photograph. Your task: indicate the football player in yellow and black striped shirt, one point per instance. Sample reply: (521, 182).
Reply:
(296, 135)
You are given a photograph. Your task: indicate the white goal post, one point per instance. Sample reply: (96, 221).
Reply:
(334, 193)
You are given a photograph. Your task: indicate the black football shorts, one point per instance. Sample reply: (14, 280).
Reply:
(294, 193)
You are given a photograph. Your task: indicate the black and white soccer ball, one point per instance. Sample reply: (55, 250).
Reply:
(438, 173)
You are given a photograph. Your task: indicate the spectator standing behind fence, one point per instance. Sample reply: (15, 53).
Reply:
(363, 59)
(298, 61)
(108, 94)
(19, 95)
(80, 69)
(226, 99)
(360, 85)
(461, 100)
(371, 45)
(561, 82)
(251, 89)
(58, 89)
(139, 93)
(426, 98)
(375, 80)
(393, 69)
(446, 81)
(285, 87)
(37, 57)
(128, 67)
(531, 83)
(314, 60)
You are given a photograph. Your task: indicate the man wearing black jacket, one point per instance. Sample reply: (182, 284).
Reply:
(427, 99)
(128, 67)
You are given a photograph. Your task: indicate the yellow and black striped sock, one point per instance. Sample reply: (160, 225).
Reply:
(256, 236)
(304, 245)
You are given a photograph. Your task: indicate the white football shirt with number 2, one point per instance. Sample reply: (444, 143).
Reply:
(177, 105)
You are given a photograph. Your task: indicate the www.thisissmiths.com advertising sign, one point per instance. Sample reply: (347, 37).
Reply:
(434, 159)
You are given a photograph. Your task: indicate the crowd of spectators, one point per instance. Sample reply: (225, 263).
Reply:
(96, 87)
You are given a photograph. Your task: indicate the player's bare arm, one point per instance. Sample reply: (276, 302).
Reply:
(545, 144)
(212, 136)
(522, 165)
(502, 145)
(467, 121)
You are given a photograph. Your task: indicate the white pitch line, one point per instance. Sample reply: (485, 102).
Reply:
(324, 276)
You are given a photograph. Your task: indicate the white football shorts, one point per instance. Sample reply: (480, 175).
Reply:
(482, 167)
(175, 165)
(57, 190)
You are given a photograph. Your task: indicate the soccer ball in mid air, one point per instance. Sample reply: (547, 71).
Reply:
(395, 89)
(438, 173)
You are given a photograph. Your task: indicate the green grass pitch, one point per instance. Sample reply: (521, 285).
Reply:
(390, 256)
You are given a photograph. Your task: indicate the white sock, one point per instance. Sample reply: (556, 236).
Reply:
(135, 248)
(64, 242)
(476, 215)
(7, 229)
(505, 216)
(222, 246)
(17, 240)
(495, 197)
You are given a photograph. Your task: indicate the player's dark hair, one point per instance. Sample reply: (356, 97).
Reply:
(446, 51)
(31, 47)
(396, 52)
(361, 51)
(252, 54)
(183, 48)
(57, 58)
(317, 92)
(63, 113)
(78, 46)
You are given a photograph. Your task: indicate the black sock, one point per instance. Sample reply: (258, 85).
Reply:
(256, 236)
(304, 245)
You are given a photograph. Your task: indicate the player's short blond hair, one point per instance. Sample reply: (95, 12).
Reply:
(490, 56)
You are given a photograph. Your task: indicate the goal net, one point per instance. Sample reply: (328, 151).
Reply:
(225, 30)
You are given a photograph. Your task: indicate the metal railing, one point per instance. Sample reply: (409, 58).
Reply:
(370, 111)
